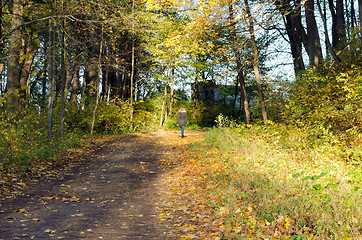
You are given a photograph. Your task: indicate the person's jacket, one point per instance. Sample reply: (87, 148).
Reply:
(182, 119)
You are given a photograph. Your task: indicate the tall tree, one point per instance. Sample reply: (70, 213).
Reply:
(91, 69)
(328, 43)
(360, 16)
(75, 83)
(52, 82)
(294, 29)
(164, 105)
(314, 49)
(14, 68)
(30, 45)
(172, 90)
(239, 65)
(255, 60)
(64, 75)
(132, 67)
(338, 24)
(97, 84)
(2, 65)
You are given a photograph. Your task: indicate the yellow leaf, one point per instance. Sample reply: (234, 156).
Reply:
(21, 210)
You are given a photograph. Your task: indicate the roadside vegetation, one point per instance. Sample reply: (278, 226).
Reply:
(298, 178)
(268, 182)
(286, 184)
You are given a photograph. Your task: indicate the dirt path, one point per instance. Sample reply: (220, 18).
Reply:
(116, 193)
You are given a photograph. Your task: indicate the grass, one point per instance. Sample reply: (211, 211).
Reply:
(273, 182)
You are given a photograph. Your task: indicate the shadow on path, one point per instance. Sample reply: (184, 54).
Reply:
(113, 194)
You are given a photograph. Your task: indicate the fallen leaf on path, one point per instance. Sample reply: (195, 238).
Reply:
(49, 231)
(21, 210)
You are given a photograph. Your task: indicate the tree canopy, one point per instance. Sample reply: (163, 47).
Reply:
(127, 51)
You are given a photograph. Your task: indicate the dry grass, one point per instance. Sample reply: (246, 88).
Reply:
(291, 186)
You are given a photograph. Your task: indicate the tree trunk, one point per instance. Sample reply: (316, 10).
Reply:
(125, 85)
(14, 69)
(150, 89)
(360, 16)
(75, 84)
(97, 85)
(2, 66)
(239, 66)
(163, 104)
(91, 74)
(314, 49)
(196, 91)
(114, 81)
(328, 43)
(82, 95)
(28, 53)
(132, 72)
(352, 16)
(256, 62)
(132, 67)
(63, 78)
(293, 25)
(138, 81)
(244, 97)
(338, 25)
(236, 93)
(166, 99)
(172, 90)
(105, 76)
(44, 78)
(51, 92)
(1, 29)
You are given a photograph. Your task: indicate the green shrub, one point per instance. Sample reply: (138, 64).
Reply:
(328, 101)
(114, 118)
(25, 146)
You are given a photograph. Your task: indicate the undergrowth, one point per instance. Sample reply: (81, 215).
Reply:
(25, 153)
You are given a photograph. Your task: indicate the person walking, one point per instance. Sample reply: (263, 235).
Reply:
(182, 120)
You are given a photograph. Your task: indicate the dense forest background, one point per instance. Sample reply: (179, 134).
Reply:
(73, 68)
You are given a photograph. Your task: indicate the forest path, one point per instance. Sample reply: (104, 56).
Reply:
(115, 193)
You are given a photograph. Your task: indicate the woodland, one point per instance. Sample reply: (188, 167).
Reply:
(289, 71)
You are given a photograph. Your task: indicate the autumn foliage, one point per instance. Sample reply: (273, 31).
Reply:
(266, 182)
(281, 156)
(329, 101)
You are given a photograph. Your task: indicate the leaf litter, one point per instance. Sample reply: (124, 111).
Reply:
(203, 204)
